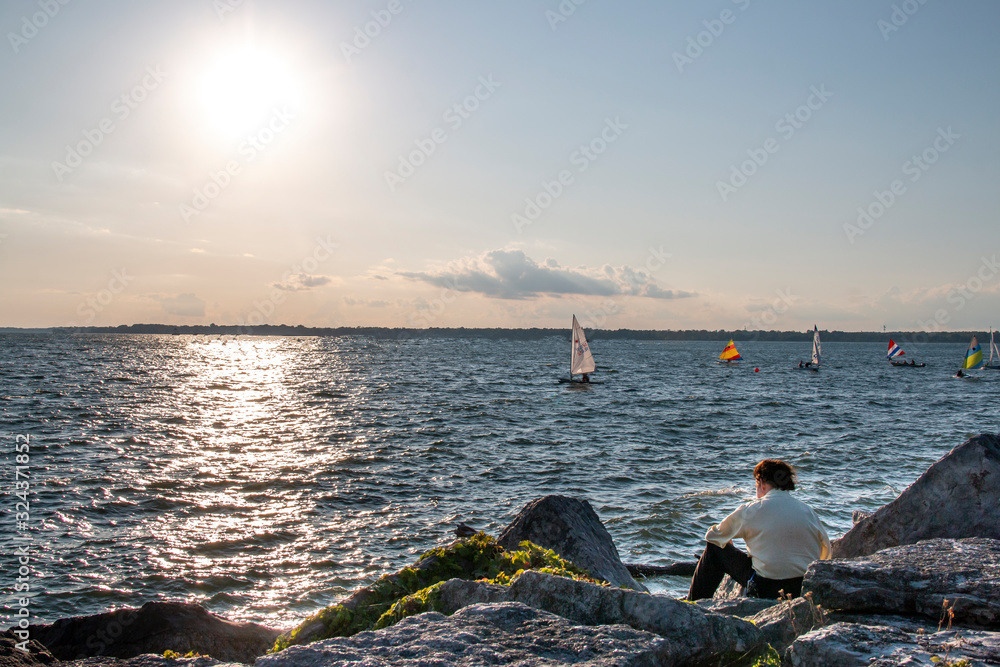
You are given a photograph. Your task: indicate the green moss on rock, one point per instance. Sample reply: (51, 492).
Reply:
(415, 589)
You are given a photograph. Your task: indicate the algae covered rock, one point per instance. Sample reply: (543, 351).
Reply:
(692, 635)
(572, 529)
(417, 588)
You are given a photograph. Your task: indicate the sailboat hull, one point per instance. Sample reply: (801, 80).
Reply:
(574, 381)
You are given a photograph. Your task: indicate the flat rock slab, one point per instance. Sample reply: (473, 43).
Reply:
(572, 529)
(856, 645)
(150, 660)
(506, 633)
(957, 497)
(743, 607)
(915, 579)
(693, 636)
(154, 628)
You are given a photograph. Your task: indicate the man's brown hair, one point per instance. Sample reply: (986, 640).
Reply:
(777, 473)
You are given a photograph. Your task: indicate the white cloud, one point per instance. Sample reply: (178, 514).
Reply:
(301, 282)
(510, 274)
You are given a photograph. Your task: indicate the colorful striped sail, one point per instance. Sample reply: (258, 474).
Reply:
(894, 351)
(730, 353)
(974, 355)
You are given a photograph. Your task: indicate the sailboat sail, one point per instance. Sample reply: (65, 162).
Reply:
(817, 348)
(581, 361)
(993, 351)
(894, 351)
(730, 353)
(974, 355)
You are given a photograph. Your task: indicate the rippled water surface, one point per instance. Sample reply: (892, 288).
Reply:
(268, 477)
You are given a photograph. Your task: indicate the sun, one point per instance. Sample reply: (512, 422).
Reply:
(243, 87)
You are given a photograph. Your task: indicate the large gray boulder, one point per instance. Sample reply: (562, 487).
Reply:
(959, 496)
(572, 529)
(506, 633)
(915, 579)
(857, 645)
(784, 622)
(693, 636)
(154, 628)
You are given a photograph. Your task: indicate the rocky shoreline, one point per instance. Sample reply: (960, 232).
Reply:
(915, 583)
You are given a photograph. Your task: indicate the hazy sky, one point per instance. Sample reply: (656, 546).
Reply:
(642, 164)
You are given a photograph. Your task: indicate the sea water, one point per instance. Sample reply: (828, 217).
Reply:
(266, 478)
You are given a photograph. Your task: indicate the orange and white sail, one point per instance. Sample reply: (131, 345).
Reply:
(730, 353)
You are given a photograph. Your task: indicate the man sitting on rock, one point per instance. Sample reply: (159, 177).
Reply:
(782, 534)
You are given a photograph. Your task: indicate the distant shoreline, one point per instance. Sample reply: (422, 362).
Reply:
(388, 333)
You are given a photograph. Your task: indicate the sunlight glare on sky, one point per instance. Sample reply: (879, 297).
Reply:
(645, 165)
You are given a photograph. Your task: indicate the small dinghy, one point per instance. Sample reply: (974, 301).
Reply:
(895, 351)
(581, 361)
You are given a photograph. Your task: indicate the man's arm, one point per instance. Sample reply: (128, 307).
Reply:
(826, 548)
(727, 529)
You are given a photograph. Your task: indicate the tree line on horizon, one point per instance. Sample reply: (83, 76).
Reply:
(532, 333)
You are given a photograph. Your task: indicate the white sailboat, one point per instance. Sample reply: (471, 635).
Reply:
(817, 348)
(816, 355)
(993, 352)
(581, 360)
